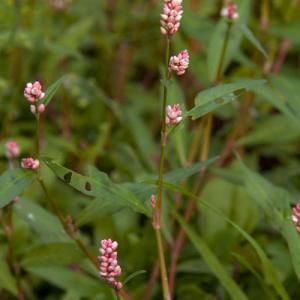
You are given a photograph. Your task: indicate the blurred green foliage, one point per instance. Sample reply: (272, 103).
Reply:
(106, 114)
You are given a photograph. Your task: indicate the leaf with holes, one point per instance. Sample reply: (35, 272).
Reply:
(114, 196)
(215, 97)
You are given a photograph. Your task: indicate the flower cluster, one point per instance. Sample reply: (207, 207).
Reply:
(171, 16)
(230, 11)
(109, 268)
(179, 63)
(59, 5)
(296, 216)
(33, 93)
(173, 114)
(12, 149)
(30, 163)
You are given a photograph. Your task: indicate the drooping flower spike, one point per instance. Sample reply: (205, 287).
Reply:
(179, 63)
(30, 163)
(173, 114)
(230, 11)
(171, 16)
(12, 149)
(109, 268)
(296, 216)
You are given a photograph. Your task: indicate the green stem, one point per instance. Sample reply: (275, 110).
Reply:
(157, 209)
(37, 141)
(223, 53)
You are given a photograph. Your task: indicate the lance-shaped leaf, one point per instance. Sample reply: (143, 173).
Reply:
(13, 183)
(293, 239)
(212, 261)
(114, 194)
(51, 91)
(252, 39)
(215, 97)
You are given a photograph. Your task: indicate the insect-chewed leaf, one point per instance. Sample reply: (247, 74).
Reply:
(211, 99)
(109, 195)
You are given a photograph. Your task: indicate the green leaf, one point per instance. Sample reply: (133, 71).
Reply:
(97, 209)
(229, 284)
(67, 279)
(276, 98)
(53, 254)
(252, 38)
(243, 261)
(7, 281)
(215, 47)
(267, 265)
(115, 194)
(271, 199)
(133, 275)
(51, 91)
(41, 221)
(13, 183)
(213, 98)
(293, 239)
(180, 174)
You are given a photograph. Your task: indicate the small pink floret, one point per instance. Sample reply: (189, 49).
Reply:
(173, 114)
(30, 163)
(33, 92)
(109, 268)
(230, 11)
(296, 216)
(12, 149)
(179, 63)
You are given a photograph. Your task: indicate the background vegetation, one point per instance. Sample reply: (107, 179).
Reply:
(106, 116)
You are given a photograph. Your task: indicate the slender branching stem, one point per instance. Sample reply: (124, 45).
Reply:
(157, 208)
(223, 54)
(67, 222)
(208, 122)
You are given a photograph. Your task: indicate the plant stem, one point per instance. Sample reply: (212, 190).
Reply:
(223, 53)
(67, 222)
(208, 119)
(157, 208)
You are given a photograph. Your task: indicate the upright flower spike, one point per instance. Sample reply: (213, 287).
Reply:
(33, 92)
(12, 149)
(296, 216)
(230, 11)
(109, 268)
(30, 163)
(179, 63)
(171, 16)
(173, 114)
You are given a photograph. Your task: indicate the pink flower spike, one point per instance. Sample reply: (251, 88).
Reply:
(173, 114)
(230, 11)
(171, 16)
(30, 163)
(33, 92)
(12, 149)
(179, 63)
(109, 268)
(296, 216)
